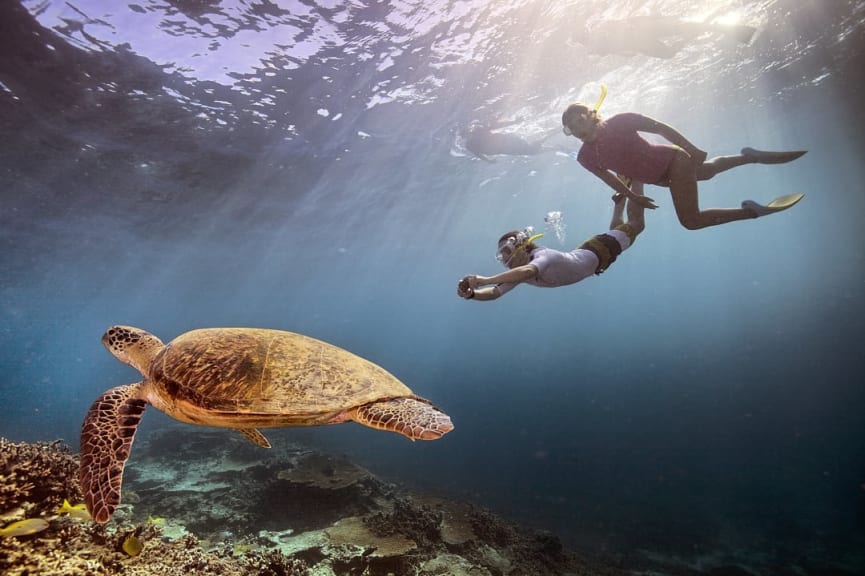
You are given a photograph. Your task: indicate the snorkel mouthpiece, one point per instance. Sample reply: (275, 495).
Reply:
(583, 111)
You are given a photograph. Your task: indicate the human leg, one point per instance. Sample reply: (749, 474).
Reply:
(618, 219)
(636, 212)
(710, 168)
(682, 177)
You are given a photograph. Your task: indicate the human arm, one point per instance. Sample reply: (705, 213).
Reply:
(619, 187)
(671, 135)
(486, 287)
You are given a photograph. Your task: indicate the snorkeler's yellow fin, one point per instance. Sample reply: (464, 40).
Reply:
(784, 202)
(777, 205)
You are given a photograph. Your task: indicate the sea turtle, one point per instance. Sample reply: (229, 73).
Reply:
(240, 378)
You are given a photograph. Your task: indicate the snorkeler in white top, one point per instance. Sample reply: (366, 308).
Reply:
(548, 268)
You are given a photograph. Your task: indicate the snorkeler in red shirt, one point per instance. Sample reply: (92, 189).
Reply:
(615, 146)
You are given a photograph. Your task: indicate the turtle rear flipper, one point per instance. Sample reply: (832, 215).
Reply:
(414, 418)
(254, 436)
(106, 440)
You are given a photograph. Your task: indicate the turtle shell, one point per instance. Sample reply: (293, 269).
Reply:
(277, 377)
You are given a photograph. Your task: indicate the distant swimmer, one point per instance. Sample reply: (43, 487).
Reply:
(483, 140)
(614, 146)
(529, 263)
(654, 36)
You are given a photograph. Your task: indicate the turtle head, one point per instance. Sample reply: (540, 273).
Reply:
(132, 346)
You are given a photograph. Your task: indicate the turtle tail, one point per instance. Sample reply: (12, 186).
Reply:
(106, 440)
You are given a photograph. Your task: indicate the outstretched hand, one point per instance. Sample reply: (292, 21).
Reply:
(643, 201)
(466, 287)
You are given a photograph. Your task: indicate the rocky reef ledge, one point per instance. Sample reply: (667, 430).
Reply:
(203, 502)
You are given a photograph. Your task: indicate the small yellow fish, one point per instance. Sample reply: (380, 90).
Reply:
(78, 512)
(156, 520)
(24, 527)
(133, 545)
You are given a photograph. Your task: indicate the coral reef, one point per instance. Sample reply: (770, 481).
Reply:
(91, 550)
(35, 479)
(205, 502)
(420, 523)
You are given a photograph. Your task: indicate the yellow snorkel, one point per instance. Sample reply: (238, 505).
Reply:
(601, 99)
(580, 111)
(528, 241)
(533, 238)
(513, 247)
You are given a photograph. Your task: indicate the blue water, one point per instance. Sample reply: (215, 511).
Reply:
(182, 165)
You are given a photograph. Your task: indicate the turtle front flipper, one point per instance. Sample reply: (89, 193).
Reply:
(106, 440)
(414, 418)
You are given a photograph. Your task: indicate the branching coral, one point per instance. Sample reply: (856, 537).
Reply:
(273, 563)
(36, 477)
(419, 523)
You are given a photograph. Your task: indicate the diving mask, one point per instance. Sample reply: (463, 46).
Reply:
(567, 119)
(510, 246)
(574, 117)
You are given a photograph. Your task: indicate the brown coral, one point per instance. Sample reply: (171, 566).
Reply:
(323, 471)
(353, 531)
(456, 525)
(35, 478)
(74, 550)
(274, 563)
(420, 523)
